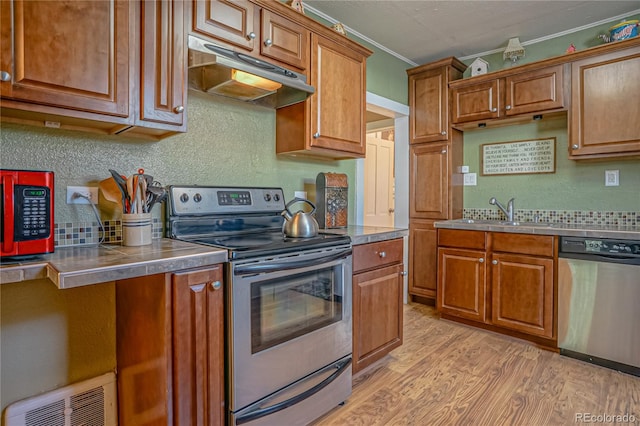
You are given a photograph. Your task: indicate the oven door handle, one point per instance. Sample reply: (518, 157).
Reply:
(253, 415)
(281, 266)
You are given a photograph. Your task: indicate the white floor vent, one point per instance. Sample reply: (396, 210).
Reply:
(88, 403)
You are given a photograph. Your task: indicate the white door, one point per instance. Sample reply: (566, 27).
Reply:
(379, 182)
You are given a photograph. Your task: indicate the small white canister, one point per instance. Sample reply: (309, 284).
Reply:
(136, 229)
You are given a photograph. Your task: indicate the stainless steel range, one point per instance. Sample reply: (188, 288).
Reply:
(288, 303)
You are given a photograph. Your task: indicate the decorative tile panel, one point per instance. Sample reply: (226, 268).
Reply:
(572, 217)
(87, 233)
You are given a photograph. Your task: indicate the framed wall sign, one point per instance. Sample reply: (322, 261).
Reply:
(518, 157)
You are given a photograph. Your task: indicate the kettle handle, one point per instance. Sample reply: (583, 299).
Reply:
(296, 200)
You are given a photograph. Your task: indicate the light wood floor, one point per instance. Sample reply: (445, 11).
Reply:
(450, 374)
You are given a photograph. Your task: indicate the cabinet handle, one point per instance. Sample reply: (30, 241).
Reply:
(508, 107)
(391, 210)
(268, 42)
(481, 260)
(251, 36)
(494, 262)
(216, 285)
(5, 76)
(494, 109)
(316, 135)
(178, 109)
(444, 151)
(443, 133)
(404, 273)
(382, 254)
(574, 146)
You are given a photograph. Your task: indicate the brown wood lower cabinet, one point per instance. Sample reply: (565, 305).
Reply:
(463, 291)
(377, 301)
(522, 293)
(423, 258)
(170, 348)
(500, 280)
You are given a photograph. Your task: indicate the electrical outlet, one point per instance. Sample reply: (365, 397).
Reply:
(611, 177)
(90, 191)
(470, 179)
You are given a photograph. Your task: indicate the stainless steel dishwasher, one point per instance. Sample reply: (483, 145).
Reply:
(599, 301)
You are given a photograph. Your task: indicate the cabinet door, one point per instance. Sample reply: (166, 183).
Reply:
(604, 108)
(534, 91)
(285, 41)
(429, 181)
(475, 102)
(428, 103)
(522, 293)
(92, 76)
(462, 284)
(198, 339)
(423, 258)
(337, 107)
(163, 59)
(377, 314)
(228, 21)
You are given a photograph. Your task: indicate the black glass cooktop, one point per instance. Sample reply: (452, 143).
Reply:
(269, 243)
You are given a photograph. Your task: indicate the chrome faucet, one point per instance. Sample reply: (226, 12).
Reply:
(509, 211)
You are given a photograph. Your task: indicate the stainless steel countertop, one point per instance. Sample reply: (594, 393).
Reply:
(78, 266)
(593, 231)
(368, 234)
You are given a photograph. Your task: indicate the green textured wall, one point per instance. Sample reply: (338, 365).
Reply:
(583, 39)
(228, 143)
(574, 186)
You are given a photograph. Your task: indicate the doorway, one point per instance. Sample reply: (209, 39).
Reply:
(379, 179)
(387, 115)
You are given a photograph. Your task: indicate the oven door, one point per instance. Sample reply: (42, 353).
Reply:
(289, 317)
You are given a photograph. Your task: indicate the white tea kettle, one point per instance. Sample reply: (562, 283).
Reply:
(299, 224)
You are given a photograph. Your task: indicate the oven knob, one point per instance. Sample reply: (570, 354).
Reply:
(184, 197)
(276, 197)
(197, 198)
(267, 197)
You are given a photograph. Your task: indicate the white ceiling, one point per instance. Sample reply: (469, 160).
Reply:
(422, 31)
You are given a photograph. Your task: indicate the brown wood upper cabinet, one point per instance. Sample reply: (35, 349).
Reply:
(258, 31)
(530, 92)
(91, 79)
(377, 301)
(429, 99)
(331, 122)
(605, 105)
(88, 82)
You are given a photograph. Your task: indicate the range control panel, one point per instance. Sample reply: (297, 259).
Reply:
(611, 247)
(212, 200)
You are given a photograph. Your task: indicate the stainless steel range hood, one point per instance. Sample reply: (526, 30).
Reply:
(220, 71)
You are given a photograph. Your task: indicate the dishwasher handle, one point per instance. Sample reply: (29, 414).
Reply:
(617, 258)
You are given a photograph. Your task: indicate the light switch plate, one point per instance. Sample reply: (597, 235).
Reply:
(611, 177)
(470, 179)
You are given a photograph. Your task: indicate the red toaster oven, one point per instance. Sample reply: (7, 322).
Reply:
(27, 213)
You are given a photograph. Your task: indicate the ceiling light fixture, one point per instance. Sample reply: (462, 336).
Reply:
(514, 51)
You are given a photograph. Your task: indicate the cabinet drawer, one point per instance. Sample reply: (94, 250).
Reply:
(462, 239)
(376, 255)
(539, 245)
